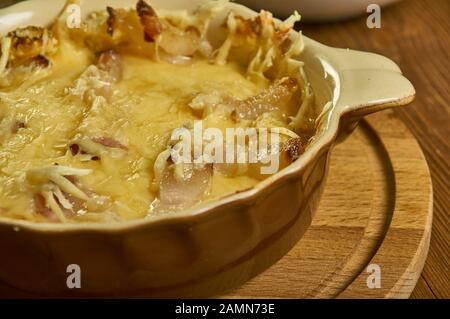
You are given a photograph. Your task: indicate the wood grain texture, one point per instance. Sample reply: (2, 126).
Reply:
(416, 35)
(370, 213)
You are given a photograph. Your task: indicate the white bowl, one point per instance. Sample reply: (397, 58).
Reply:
(315, 10)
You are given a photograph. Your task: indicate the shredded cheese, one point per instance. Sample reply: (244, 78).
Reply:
(5, 46)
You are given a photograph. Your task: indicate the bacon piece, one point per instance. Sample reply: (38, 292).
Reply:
(109, 142)
(149, 20)
(187, 190)
(17, 126)
(175, 59)
(248, 27)
(288, 152)
(73, 179)
(42, 209)
(293, 148)
(276, 96)
(77, 205)
(111, 62)
(74, 149)
(60, 194)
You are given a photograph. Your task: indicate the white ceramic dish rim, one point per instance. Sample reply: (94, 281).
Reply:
(323, 139)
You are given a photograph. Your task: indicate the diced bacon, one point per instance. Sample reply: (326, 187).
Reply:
(74, 149)
(30, 43)
(111, 62)
(149, 20)
(109, 142)
(186, 190)
(77, 205)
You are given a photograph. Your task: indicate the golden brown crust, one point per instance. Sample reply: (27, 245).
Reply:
(40, 61)
(17, 126)
(149, 20)
(247, 27)
(31, 43)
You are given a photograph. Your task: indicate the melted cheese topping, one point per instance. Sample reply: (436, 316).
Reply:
(85, 134)
(147, 105)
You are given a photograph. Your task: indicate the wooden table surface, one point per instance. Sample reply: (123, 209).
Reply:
(416, 35)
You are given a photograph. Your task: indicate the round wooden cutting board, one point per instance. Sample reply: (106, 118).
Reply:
(375, 215)
(372, 228)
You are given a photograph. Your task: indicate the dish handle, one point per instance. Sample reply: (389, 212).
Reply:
(367, 83)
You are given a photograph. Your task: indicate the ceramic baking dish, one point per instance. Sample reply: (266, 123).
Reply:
(207, 250)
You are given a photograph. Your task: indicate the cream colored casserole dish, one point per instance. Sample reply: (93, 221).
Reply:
(106, 196)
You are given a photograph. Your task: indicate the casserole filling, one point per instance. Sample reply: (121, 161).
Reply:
(88, 115)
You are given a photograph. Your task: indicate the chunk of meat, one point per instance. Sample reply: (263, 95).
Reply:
(77, 205)
(109, 142)
(111, 21)
(149, 20)
(74, 149)
(97, 80)
(61, 196)
(177, 42)
(111, 62)
(184, 191)
(42, 209)
(277, 96)
(69, 205)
